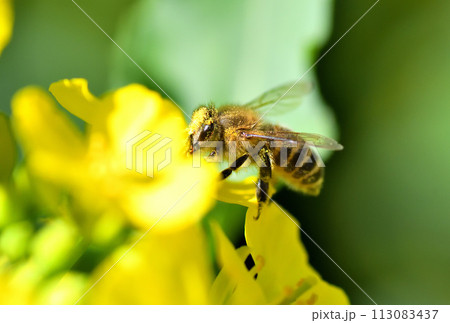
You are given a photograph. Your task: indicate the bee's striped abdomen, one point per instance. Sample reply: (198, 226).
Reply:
(300, 167)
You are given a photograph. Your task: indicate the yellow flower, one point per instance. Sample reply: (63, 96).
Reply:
(172, 264)
(172, 268)
(6, 23)
(281, 274)
(92, 167)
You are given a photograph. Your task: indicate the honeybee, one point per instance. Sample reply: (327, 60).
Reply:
(240, 133)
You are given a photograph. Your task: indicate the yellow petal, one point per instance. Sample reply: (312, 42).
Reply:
(178, 193)
(58, 168)
(123, 114)
(160, 269)
(6, 23)
(234, 284)
(40, 126)
(137, 109)
(242, 193)
(7, 149)
(179, 197)
(323, 293)
(275, 239)
(74, 96)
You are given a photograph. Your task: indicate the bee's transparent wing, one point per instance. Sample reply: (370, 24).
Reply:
(312, 139)
(281, 98)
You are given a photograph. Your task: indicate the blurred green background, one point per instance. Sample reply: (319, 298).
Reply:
(384, 212)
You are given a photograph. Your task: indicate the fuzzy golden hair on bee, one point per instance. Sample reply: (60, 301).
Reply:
(204, 126)
(203, 115)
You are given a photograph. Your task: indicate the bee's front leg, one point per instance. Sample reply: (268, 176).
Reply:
(262, 188)
(236, 164)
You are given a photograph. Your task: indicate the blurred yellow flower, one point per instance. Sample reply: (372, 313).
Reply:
(25, 285)
(172, 265)
(281, 273)
(92, 167)
(18, 285)
(6, 23)
(35, 267)
(172, 268)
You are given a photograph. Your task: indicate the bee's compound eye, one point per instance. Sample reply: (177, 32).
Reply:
(208, 128)
(206, 132)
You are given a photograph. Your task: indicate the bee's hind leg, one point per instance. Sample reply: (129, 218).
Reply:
(236, 164)
(262, 188)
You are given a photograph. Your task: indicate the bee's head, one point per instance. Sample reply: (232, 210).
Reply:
(203, 127)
